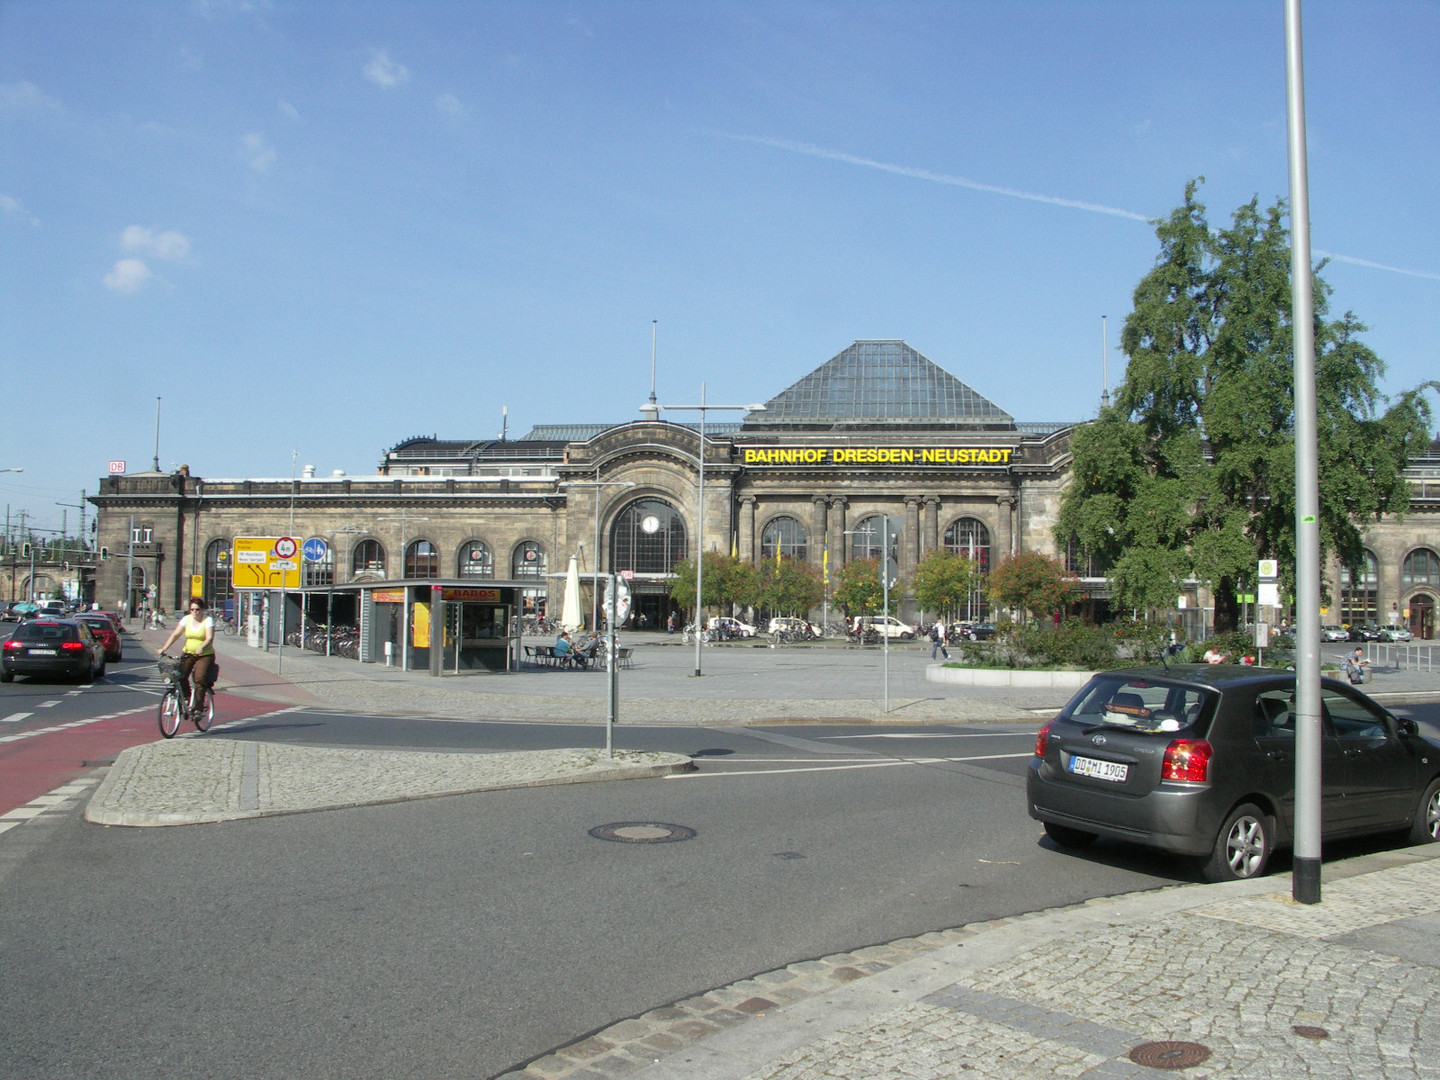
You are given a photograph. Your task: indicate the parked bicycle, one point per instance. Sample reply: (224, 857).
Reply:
(172, 709)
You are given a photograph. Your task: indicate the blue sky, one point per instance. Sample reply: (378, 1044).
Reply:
(315, 229)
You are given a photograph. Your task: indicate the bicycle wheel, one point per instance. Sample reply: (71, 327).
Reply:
(204, 716)
(169, 714)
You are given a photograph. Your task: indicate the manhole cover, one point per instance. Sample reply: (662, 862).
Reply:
(1169, 1055)
(642, 832)
(1307, 1031)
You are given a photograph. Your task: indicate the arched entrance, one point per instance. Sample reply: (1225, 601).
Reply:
(648, 539)
(1422, 616)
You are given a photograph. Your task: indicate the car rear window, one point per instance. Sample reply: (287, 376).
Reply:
(39, 631)
(1141, 704)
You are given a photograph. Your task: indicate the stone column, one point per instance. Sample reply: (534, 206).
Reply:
(914, 546)
(930, 534)
(819, 530)
(839, 554)
(747, 550)
(1009, 541)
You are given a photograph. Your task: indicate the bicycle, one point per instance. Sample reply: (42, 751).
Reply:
(172, 710)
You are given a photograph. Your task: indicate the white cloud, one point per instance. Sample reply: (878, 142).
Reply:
(449, 104)
(384, 72)
(290, 112)
(128, 276)
(256, 152)
(27, 97)
(12, 206)
(169, 245)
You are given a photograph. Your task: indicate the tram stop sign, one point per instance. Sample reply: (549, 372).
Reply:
(315, 550)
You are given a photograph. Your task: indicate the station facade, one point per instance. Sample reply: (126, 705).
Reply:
(878, 431)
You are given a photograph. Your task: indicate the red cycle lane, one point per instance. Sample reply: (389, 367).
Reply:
(35, 762)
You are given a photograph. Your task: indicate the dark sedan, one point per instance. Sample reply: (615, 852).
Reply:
(54, 647)
(105, 631)
(1200, 760)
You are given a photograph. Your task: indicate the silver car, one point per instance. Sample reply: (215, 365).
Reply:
(1200, 760)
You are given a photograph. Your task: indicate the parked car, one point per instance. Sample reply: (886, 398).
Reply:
(1200, 760)
(60, 647)
(1365, 632)
(724, 626)
(980, 631)
(1395, 633)
(883, 626)
(1331, 632)
(105, 631)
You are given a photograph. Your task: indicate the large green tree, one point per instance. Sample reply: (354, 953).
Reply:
(789, 586)
(1191, 470)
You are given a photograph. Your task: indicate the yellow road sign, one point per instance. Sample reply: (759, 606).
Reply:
(255, 565)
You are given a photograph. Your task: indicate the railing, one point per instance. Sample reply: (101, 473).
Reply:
(1409, 657)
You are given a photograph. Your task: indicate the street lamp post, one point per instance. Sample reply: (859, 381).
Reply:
(654, 409)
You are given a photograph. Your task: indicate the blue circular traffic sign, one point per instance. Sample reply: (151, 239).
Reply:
(315, 549)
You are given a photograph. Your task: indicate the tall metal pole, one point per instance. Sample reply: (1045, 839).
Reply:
(700, 541)
(1305, 877)
(157, 435)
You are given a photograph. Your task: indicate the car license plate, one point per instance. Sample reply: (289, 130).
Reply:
(1100, 770)
(43, 652)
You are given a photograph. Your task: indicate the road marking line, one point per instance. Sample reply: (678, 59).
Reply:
(15, 718)
(843, 768)
(48, 704)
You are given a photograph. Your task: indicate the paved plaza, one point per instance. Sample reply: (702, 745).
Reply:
(1233, 980)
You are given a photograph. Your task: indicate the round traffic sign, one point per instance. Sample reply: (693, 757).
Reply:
(315, 549)
(286, 547)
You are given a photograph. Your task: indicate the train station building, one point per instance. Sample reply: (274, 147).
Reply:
(878, 431)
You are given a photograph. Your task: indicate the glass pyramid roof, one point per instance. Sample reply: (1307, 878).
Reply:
(875, 382)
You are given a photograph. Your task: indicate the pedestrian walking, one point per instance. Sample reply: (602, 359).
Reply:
(937, 639)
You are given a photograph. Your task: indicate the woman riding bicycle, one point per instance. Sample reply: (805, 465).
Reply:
(197, 657)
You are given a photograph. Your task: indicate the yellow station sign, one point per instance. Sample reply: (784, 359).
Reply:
(256, 564)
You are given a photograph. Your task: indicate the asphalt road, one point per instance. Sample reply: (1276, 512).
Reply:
(461, 936)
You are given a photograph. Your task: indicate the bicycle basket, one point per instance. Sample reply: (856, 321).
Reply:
(169, 668)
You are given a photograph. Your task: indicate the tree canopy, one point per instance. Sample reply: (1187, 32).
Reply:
(943, 580)
(1033, 583)
(1191, 470)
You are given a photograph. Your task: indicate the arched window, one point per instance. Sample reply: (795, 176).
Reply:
(1422, 567)
(318, 574)
(422, 560)
(970, 538)
(1360, 593)
(475, 561)
(219, 582)
(782, 536)
(648, 538)
(528, 561)
(368, 560)
(867, 540)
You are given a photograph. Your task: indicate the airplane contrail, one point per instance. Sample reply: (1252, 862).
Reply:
(938, 178)
(812, 150)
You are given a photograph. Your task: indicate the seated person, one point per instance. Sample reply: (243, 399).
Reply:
(1215, 656)
(564, 647)
(1354, 666)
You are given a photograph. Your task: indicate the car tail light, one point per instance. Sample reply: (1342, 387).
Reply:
(1187, 759)
(13, 646)
(72, 646)
(1040, 741)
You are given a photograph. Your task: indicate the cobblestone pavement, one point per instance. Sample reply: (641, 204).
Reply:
(188, 780)
(1228, 980)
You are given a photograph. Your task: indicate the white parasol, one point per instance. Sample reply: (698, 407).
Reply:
(570, 607)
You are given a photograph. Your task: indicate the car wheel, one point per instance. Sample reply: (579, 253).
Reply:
(1426, 829)
(1243, 847)
(1067, 837)
(906, 636)
(7, 676)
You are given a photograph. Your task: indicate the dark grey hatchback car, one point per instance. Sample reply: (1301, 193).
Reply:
(1200, 760)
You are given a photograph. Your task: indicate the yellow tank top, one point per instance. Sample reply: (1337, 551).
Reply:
(195, 636)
